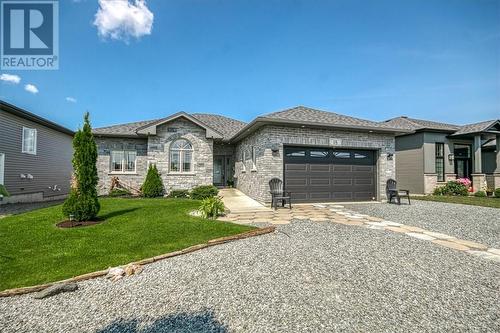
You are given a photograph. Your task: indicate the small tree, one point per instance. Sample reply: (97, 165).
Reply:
(82, 202)
(153, 185)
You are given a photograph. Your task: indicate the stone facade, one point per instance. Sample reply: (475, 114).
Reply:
(254, 179)
(155, 149)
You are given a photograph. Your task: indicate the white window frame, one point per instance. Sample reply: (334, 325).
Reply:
(181, 152)
(111, 170)
(23, 150)
(2, 168)
(254, 158)
(243, 160)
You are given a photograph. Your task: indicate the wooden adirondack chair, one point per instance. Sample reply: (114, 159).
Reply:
(278, 194)
(393, 192)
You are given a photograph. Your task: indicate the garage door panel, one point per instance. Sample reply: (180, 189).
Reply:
(326, 174)
(296, 167)
(313, 168)
(296, 182)
(320, 196)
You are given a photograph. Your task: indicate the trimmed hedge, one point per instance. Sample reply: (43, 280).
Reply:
(178, 194)
(203, 192)
(497, 193)
(480, 194)
(452, 188)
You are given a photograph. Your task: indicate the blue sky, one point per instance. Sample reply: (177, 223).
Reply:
(435, 60)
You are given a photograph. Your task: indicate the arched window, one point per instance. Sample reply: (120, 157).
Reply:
(181, 156)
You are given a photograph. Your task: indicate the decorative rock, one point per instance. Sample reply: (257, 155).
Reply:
(115, 273)
(56, 289)
(131, 269)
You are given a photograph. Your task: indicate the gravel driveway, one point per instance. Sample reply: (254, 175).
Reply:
(307, 277)
(474, 223)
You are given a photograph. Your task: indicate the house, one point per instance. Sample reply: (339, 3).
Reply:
(35, 156)
(434, 153)
(321, 156)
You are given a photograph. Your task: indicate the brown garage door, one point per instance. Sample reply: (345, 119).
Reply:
(327, 174)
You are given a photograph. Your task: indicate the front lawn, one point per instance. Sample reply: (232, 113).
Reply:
(474, 201)
(34, 251)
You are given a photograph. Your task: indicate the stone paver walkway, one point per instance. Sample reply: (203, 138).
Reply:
(338, 214)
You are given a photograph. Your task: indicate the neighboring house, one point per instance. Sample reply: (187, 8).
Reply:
(321, 156)
(434, 153)
(35, 156)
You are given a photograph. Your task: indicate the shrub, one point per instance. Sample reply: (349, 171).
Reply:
(497, 193)
(212, 207)
(119, 192)
(82, 202)
(480, 194)
(3, 191)
(438, 190)
(178, 194)
(153, 185)
(452, 188)
(203, 192)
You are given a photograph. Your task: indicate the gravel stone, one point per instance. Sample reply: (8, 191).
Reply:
(305, 277)
(474, 223)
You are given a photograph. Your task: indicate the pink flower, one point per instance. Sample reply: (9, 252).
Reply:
(464, 181)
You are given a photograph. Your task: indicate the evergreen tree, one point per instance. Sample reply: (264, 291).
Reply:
(153, 185)
(82, 202)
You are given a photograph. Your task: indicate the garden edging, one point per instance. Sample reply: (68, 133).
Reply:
(92, 275)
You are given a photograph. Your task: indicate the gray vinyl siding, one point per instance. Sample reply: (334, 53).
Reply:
(409, 162)
(50, 166)
(430, 140)
(489, 161)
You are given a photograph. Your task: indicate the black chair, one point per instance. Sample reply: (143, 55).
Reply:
(278, 194)
(393, 192)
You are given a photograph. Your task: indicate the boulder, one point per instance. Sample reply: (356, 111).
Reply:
(56, 289)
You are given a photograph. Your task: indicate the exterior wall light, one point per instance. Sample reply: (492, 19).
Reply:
(451, 157)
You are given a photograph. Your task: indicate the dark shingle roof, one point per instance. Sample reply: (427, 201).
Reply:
(314, 116)
(475, 128)
(224, 125)
(419, 124)
(127, 129)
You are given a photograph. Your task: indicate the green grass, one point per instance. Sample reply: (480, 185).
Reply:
(34, 251)
(474, 201)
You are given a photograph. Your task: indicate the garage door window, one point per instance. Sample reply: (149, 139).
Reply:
(319, 153)
(341, 154)
(360, 155)
(296, 153)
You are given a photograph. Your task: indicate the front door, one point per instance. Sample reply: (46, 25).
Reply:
(463, 161)
(219, 174)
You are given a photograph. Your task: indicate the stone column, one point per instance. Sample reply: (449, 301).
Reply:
(478, 177)
(430, 182)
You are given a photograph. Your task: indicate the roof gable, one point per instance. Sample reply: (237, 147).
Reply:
(150, 129)
(484, 126)
(420, 124)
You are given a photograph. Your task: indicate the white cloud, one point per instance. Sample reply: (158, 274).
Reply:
(9, 78)
(122, 19)
(71, 99)
(31, 88)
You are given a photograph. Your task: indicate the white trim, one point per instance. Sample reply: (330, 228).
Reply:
(122, 171)
(253, 155)
(181, 152)
(2, 168)
(34, 141)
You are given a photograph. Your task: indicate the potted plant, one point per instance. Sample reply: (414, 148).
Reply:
(489, 191)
